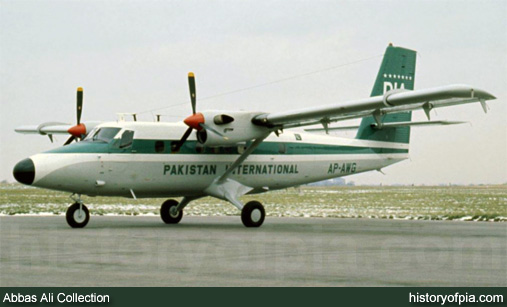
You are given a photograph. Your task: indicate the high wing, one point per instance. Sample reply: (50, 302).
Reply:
(77, 131)
(45, 128)
(393, 101)
(51, 128)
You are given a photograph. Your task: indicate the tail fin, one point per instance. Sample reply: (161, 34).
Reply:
(397, 71)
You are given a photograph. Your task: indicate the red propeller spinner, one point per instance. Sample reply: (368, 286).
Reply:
(194, 121)
(77, 130)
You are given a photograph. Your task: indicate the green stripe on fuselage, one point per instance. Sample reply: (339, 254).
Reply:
(141, 146)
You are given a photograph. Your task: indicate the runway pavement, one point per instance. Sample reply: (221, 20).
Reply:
(220, 251)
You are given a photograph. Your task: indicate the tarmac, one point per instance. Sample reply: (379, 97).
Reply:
(220, 251)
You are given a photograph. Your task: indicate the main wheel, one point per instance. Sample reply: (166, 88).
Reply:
(253, 214)
(168, 212)
(77, 218)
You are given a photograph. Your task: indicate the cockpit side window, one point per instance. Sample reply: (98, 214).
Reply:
(126, 138)
(105, 134)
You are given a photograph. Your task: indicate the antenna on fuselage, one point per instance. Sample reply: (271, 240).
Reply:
(121, 116)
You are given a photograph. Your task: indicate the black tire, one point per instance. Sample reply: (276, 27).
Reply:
(73, 218)
(165, 212)
(253, 214)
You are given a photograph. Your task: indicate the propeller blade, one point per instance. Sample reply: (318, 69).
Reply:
(213, 130)
(72, 138)
(176, 146)
(191, 86)
(79, 106)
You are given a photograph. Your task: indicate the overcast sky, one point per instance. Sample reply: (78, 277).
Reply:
(133, 56)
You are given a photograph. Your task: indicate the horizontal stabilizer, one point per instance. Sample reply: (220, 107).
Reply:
(424, 123)
(393, 125)
(332, 129)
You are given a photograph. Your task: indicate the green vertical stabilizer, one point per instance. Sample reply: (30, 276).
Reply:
(397, 71)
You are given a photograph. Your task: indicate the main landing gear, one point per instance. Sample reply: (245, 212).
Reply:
(77, 214)
(252, 213)
(169, 212)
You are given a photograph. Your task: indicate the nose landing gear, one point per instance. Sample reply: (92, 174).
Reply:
(77, 214)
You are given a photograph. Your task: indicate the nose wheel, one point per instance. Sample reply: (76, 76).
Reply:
(77, 215)
(253, 214)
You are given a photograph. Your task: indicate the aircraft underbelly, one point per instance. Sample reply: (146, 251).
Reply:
(179, 175)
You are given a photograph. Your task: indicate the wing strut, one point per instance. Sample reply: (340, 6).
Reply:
(231, 190)
(242, 158)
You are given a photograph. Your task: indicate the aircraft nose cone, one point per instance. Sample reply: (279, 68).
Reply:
(24, 171)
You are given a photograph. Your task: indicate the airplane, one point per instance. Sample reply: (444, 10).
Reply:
(227, 154)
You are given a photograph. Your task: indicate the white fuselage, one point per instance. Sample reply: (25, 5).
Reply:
(290, 159)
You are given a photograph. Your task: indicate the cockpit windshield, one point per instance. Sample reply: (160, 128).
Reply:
(103, 134)
(91, 134)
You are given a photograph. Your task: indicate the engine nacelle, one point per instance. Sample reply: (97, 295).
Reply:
(236, 127)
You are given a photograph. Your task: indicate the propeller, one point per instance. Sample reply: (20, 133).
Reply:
(194, 121)
(69, 140)
(79, 130)
(191, 87)
(79, 104)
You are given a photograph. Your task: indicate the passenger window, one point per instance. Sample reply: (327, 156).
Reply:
(199, 148)
(159, 146)
(126, 138)
(298, 137)
(174, 146)
(229, 150)
(282, 148)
